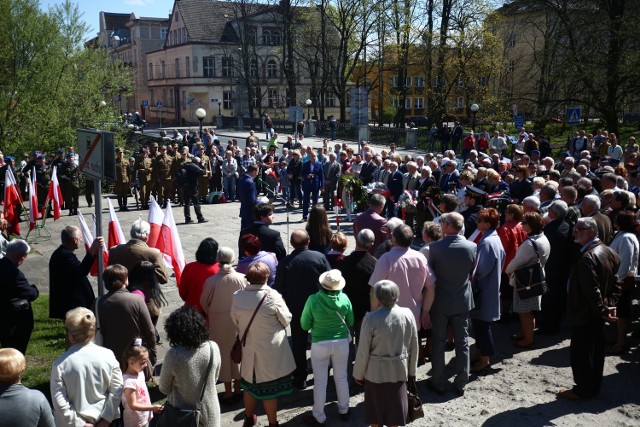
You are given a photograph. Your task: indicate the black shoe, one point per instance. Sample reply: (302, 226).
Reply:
(310, 420)
(201, 220)
(460, 392)
(345, 416)
(188, 221)
(431, 386)
(300, 384)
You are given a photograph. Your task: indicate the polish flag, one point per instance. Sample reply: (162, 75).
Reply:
(55, 194)
(12, 199)
(115, 236)
(87, 236)
(33, 200)
(172, 247)
(156, 217)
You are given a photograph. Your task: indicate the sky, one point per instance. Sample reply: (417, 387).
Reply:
(92, 8)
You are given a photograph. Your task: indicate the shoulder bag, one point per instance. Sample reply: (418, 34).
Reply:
(97, 339)
(414, 406)
(530, 281)
(344, 322)
(236, 350)
(186, 417)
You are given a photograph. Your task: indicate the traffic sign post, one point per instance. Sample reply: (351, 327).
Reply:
(573, 115)
(92, 147)
(518, 121)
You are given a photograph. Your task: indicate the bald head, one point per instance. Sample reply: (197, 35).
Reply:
(299, 239)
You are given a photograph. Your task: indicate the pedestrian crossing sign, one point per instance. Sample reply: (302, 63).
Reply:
(573, 115)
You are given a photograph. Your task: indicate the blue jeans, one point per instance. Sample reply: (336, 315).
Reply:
(229, 186)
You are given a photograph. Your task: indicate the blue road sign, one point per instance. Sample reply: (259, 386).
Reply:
(159, 104)
(573, 115)
(518, 120)
(145, 103)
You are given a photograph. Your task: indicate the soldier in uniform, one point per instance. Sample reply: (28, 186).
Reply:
(153, 153)
(121, 187)
(162, 176)
(43, 180)
(203, 180)
(144, 167)
(134, 183)
(69, 175)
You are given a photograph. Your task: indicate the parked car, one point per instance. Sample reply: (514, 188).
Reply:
(419, 121)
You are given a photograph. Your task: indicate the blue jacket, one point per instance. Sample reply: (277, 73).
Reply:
(248, 197)
(315, 183)
(395, 184)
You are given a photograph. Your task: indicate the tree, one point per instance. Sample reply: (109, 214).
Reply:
(50, 83)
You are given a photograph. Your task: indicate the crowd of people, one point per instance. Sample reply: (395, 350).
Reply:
(373, 315)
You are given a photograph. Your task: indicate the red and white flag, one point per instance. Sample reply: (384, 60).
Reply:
(55, 194)
(33, 200)
(172, 247)
(156, 217)
(87, 236)
(115, 236)
(12, 199)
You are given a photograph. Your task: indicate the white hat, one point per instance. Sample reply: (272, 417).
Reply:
(444, 161)
(332, 280)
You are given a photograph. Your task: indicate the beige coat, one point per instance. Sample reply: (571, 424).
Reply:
(267, 353)
(216, 298)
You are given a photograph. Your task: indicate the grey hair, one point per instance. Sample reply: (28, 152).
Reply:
(454, 219)
(532, 201)
(365, 238)
(226, 257)
(588, 222)
(386, 292)
(140, 229)
(393, 223)
(559, 208)
(69, 233)
(592, 200)
(377, 200)
(18, 247)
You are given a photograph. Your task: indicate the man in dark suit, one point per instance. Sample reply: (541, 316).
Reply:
(247, 195)
(452, 261)
(593, 293)
(331, 171)
(590, 207)
(312, 182)
(68, 284)
(356, 269)
(269, 238)
(135, 250)
(16, 294)
(368, 170)
(297, 278)
(192, 169)
(372, 220)
(554, 302)
(450, 178)
(394, 183)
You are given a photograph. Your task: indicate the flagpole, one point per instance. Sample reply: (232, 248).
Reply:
(97, 191)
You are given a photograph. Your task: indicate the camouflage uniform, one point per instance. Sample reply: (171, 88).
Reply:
(43, 180)
(69, 174)
(144, 166)
(162, 177)
(121, 186)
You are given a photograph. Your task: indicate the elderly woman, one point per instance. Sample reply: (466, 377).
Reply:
(20, 406)
(216, 302)
(252, 248)
(197, 272)
(511, 235)
(86, 381)
(328, 315)
(123, 316)
(186, 363)
(267, 360)
(486, 284)
(387, 357)
(528, 254)
(521, 187)
(625, 244)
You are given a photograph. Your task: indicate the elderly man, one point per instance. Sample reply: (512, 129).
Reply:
(312, 182)
(331, 171)
(407, 268)
(592, 295)
(591, 208)
(372, 220)
(452, 260)
(135, 250)
(297, 278)
(16, 294)
(410, 182)
(68, 284)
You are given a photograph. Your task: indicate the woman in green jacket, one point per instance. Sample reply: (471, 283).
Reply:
(328, 314)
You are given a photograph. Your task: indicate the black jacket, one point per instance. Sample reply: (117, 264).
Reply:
(297, 277)
(14, 286)
(69, 286)
(558, 232)
(192, 173)
(270, 239)
(356, 269)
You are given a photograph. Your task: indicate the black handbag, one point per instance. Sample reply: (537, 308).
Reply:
(173, 416)
(530, 280)
(414, 406)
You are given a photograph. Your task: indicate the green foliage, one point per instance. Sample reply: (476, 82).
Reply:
(50, 83)
(46, 345)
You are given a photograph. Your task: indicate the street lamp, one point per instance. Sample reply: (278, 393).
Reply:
(201, 114)
(308, 102)
(474, 110)
(219, 106)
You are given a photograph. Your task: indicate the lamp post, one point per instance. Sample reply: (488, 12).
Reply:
(201, 114)
(474, 110)
(219, 108)
(308, 102)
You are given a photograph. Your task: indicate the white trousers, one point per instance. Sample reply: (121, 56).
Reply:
(336, 351)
